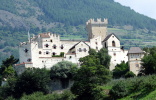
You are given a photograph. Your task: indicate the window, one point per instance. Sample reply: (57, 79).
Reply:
(105, 44)
(96, 43)
(73, 51)
(62, 47)
(84, 49)
(29, 60)
(96, 48)
(113, 43)
(54, 53)
(47, 45)
(70, 57)
(137, 65)
(47, 52)
(40, 52)
(80, 50)
(51, 40)
(54, 46)
(114, 54)
(26, 50)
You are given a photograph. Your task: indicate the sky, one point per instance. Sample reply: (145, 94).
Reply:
(145, 7)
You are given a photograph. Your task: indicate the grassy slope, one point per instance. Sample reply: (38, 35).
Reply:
(143, 94)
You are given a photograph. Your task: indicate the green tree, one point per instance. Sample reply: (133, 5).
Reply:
(104, 57)
(32, 80)
(129, 74)
(64, 71)
(6, 69)
(120, 70)
(92, 52)
(148, 61)
(89, 77)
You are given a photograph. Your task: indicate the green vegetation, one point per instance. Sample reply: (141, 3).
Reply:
(149, 64)
(63, 71)
(134, 88)
(82, 10)
(122, 71)
(61, 55)
(68, 19)
(91, 75)
(32, 80)
(66, 95)
(6, 69)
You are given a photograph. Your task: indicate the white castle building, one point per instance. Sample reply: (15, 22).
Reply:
(46, 49)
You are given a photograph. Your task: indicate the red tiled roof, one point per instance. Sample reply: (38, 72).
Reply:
(44, 35)
(23, 63)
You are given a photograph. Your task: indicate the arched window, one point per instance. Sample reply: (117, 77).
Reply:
(46, 45)
(80, 50)
(62, 47)
(54, 53)
(113, 43)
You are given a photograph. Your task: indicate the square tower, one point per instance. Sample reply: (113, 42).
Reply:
(97, 28)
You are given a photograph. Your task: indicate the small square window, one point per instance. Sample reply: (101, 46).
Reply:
(137, 65)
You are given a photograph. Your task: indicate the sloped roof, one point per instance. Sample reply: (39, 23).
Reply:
(77, 44)
(108, 36)
(23, 63)
(44, 35)
(135, 50)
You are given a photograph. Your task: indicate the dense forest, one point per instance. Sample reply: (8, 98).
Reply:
(68, 19)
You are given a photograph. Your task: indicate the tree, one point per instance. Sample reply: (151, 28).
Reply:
(92, 52)
(10, 61)
(6, 69)
(129, 74)
(120, 70)
(104, 57)
(89, 77)
(32, 80)
(64, 71)
(148, 61)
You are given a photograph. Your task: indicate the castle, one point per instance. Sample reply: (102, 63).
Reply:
(46, 49)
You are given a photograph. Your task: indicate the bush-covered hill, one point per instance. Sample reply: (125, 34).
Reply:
(75, 12)
(68, 18)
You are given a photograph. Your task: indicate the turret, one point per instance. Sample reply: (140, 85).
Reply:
(97, 28)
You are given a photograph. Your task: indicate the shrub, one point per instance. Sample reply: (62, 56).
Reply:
(119, 90)
(129, 74)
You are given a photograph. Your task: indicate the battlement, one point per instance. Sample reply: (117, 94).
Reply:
(97, 21)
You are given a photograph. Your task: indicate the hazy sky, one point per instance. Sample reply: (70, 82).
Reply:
(146, 7)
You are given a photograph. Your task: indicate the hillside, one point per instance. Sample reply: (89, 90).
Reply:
(68, 19)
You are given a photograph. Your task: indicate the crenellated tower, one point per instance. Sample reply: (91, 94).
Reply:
(97, 28)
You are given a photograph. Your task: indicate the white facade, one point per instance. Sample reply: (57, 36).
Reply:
(118, 54)
(44, 49)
